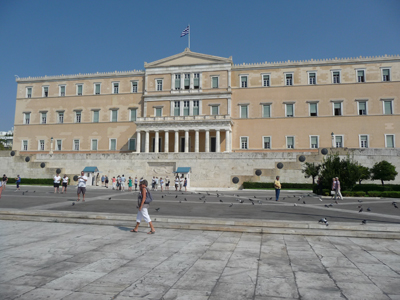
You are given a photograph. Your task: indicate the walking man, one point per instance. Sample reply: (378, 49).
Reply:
(82, 186)
(338, 194)
(5, 179)
(277, 186)
(18, 181)
(64, 184)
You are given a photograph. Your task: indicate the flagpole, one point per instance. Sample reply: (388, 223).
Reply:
(189, 37)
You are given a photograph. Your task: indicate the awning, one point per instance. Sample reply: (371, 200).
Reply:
(90, 169)
(183, 170)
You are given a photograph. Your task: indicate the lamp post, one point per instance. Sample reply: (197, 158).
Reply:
(333, 140)
(51, 145)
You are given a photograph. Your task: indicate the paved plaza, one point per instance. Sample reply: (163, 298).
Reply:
(53, 260)
(42, 260)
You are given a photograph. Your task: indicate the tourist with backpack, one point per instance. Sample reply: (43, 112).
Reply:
(144, 200)
(18, 182)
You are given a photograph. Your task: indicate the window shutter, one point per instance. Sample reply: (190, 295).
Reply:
(313, 108)
(289, 109)
(267, 111)
(388, 107)
(389, 141)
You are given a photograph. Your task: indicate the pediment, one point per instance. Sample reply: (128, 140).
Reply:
(188, 58)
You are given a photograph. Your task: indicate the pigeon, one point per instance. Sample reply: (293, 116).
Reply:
(259, 202)
(324, 220)
(23, 193)
(231, 205)
(395, 206)
(176, 196)
(295, 204)
(330, 204)
(270, 198)
(284, 198)
(294, 196)
(319, 199)
(157, 209)
(394, 203)
(299, 199)
(208, 193)
(252, 203)
(185, 199)
(162, 196)
(73, 203)
(327, 206)
(368, 209)
(364, 222)
(217, 195)
(241, 201)
(204, 201)
(255, 197)
(34, 191)
(359, 200)
(304, 202)
(359, 206)
(336, 202)
(180, 201)
(220, 200)
(26, 191)
(109, 198)
(361, 209)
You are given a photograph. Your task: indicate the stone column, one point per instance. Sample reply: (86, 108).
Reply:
(176, 146)
(146, 142)
(166, 142)
(218, 140)
(138, 137)
(156, 140)
(227, 141)
(196, 141)
(207, 141)
(186, 141)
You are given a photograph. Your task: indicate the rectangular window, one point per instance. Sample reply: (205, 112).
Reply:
(385, 74)
(337, 108)
(76, 145)
(115, 87)
(177, 81)
(78, 116)
(114, 115)
(289, 110)
(158, 111)
(244, 114)
(177, 108)
(185, 108)
(133, 114)
(132, 144)
(113, 144)
(214, 110)
(96, 115)
(266, 110)
(62, 90)
(338, 141)
(313, 109)
(288, 79)
(94, 145)
(336, 76)
(244, 142)
(159, 84)
(61, 117)
(290, 142)
(97, 88)
(187, 81)
(214, 81)
(25, 145)
(45, 91)
(43, 117)
(27, 118)
(312, 78)
(360, 76)
(196, 80)
(41, 145)
(196, 111)
(267, 142)
(388, 107)
(363, 141)
(314, 142)
(28, 92)
(58, 145)
(266, 80)
(134, 86)
(389, 139)
(362, 108)
(79, 89)
(243, 81)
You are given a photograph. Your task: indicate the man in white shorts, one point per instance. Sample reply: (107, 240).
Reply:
(57, 180)
(123, 179)
(82, 186)
(5, 179)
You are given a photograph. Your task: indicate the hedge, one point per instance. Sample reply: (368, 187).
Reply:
(376, 187)
(353, 194)
(270, 185)
(387, 194)
(45, 181)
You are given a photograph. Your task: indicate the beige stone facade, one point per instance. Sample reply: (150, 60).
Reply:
(191, 102)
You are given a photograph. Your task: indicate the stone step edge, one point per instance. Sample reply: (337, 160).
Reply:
(325, 231)
(201, 221)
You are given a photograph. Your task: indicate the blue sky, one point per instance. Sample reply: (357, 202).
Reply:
(53, 37)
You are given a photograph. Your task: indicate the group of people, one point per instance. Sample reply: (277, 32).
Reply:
(57, 180)
(4, 180)
(180, 183)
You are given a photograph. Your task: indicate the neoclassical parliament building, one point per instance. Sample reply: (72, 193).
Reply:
(193, 102)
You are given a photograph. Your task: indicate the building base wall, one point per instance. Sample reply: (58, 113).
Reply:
(214, 170)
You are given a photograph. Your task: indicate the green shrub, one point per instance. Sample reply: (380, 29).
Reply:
(45, 181)
(353, 194)
(376, 187)
(326, 192)
(391, 194)
(270, 185)
(374, 193)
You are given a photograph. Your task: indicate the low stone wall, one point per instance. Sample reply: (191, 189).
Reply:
(207, 169)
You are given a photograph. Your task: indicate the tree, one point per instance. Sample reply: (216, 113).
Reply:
(311, 170)
(364, 172)
(345, 169)
(383, 171)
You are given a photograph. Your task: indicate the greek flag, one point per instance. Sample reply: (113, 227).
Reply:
(185, 31)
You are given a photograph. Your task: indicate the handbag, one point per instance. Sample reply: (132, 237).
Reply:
(332, 193)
